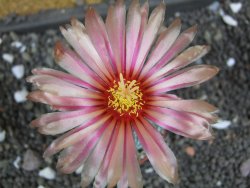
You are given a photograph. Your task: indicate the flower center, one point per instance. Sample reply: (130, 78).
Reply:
(125, 97)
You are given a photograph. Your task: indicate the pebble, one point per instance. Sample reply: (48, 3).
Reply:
(79, 170)
(40, 186)
(214, 7)
(9, 58)
(16, 44)
(149, 170)
(235, 7)
(222, 124)
(229, 20)
(190, 151)
(18, 71)
(218, 183)
(30, 161)
(245, 168)
(16, 163)
(1, 40)
(47, 173)
(231, 62)
(20, 96)
(2, 136)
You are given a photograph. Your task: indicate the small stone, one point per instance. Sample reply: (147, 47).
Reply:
(47, 173)
(22, 49)
(40, 186)
(229, 20)
(218, 183)
(235, 7)
(231, 62)
(9, 58)
(18, 71)
(214, 7)
(79, 170)
(30, 161)
(1, 40)
(149, 170)
(16, 163)
(16, 44)
(245, 168)
(2, 136)
(20, 96)
(190, 151)
(223, 124)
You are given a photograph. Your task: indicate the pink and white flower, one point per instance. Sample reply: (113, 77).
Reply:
(119, 74)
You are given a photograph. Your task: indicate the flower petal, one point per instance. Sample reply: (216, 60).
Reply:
(115, 25)
(159, 155)
(181, 123)
(184, 78)
(185, 58)
(154, 23)
(66, 124)
(69, 163)
(96, 30)
(81, 42)
(164, 42)
(132, 32)
(180, 44)
(47, 98)
(61, 75)
(60, 87)
(69, 61)
(132, 167)
(93, 163)
(75, 135)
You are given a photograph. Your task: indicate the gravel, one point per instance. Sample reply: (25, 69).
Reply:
(218, 163)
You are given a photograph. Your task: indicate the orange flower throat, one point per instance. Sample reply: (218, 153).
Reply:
(125, 97)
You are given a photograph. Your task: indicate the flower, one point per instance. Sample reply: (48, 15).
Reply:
(119, 77)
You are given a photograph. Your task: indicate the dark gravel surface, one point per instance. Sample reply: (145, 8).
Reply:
(201, 164)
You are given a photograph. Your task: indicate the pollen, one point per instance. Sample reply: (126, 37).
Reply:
(125, 97)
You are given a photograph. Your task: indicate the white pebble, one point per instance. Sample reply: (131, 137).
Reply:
(79, 170)
(20, 96)
(231, 62)
(22, 49)
(16, 163)
(149, 170)
(18, 71)
(40, 186)
(16, 44)
(223, 124)
(214, 6)
(235, 7)
(47, 173)
(229, 20)
(2, 136)
(218, 183)
(1, 40)
(9, 58)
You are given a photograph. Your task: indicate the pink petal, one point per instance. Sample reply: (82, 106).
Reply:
(47, 98)
(159, 155)
(115, 168)
(154, 23)
(76, 135)
(69, 163)
(80, 41)
(132, 32)
(185, 105)
(180, 44)
(93, 163)
(132, 167)
(181, 123)
(164, 42)
(69, 61)
(66, 124)
(60, 87)
(61, 75)
(115, 25)
(97, 32)
(101, 178)
(184, 78)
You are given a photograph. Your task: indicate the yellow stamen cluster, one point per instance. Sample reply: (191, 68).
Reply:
(125, 97)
